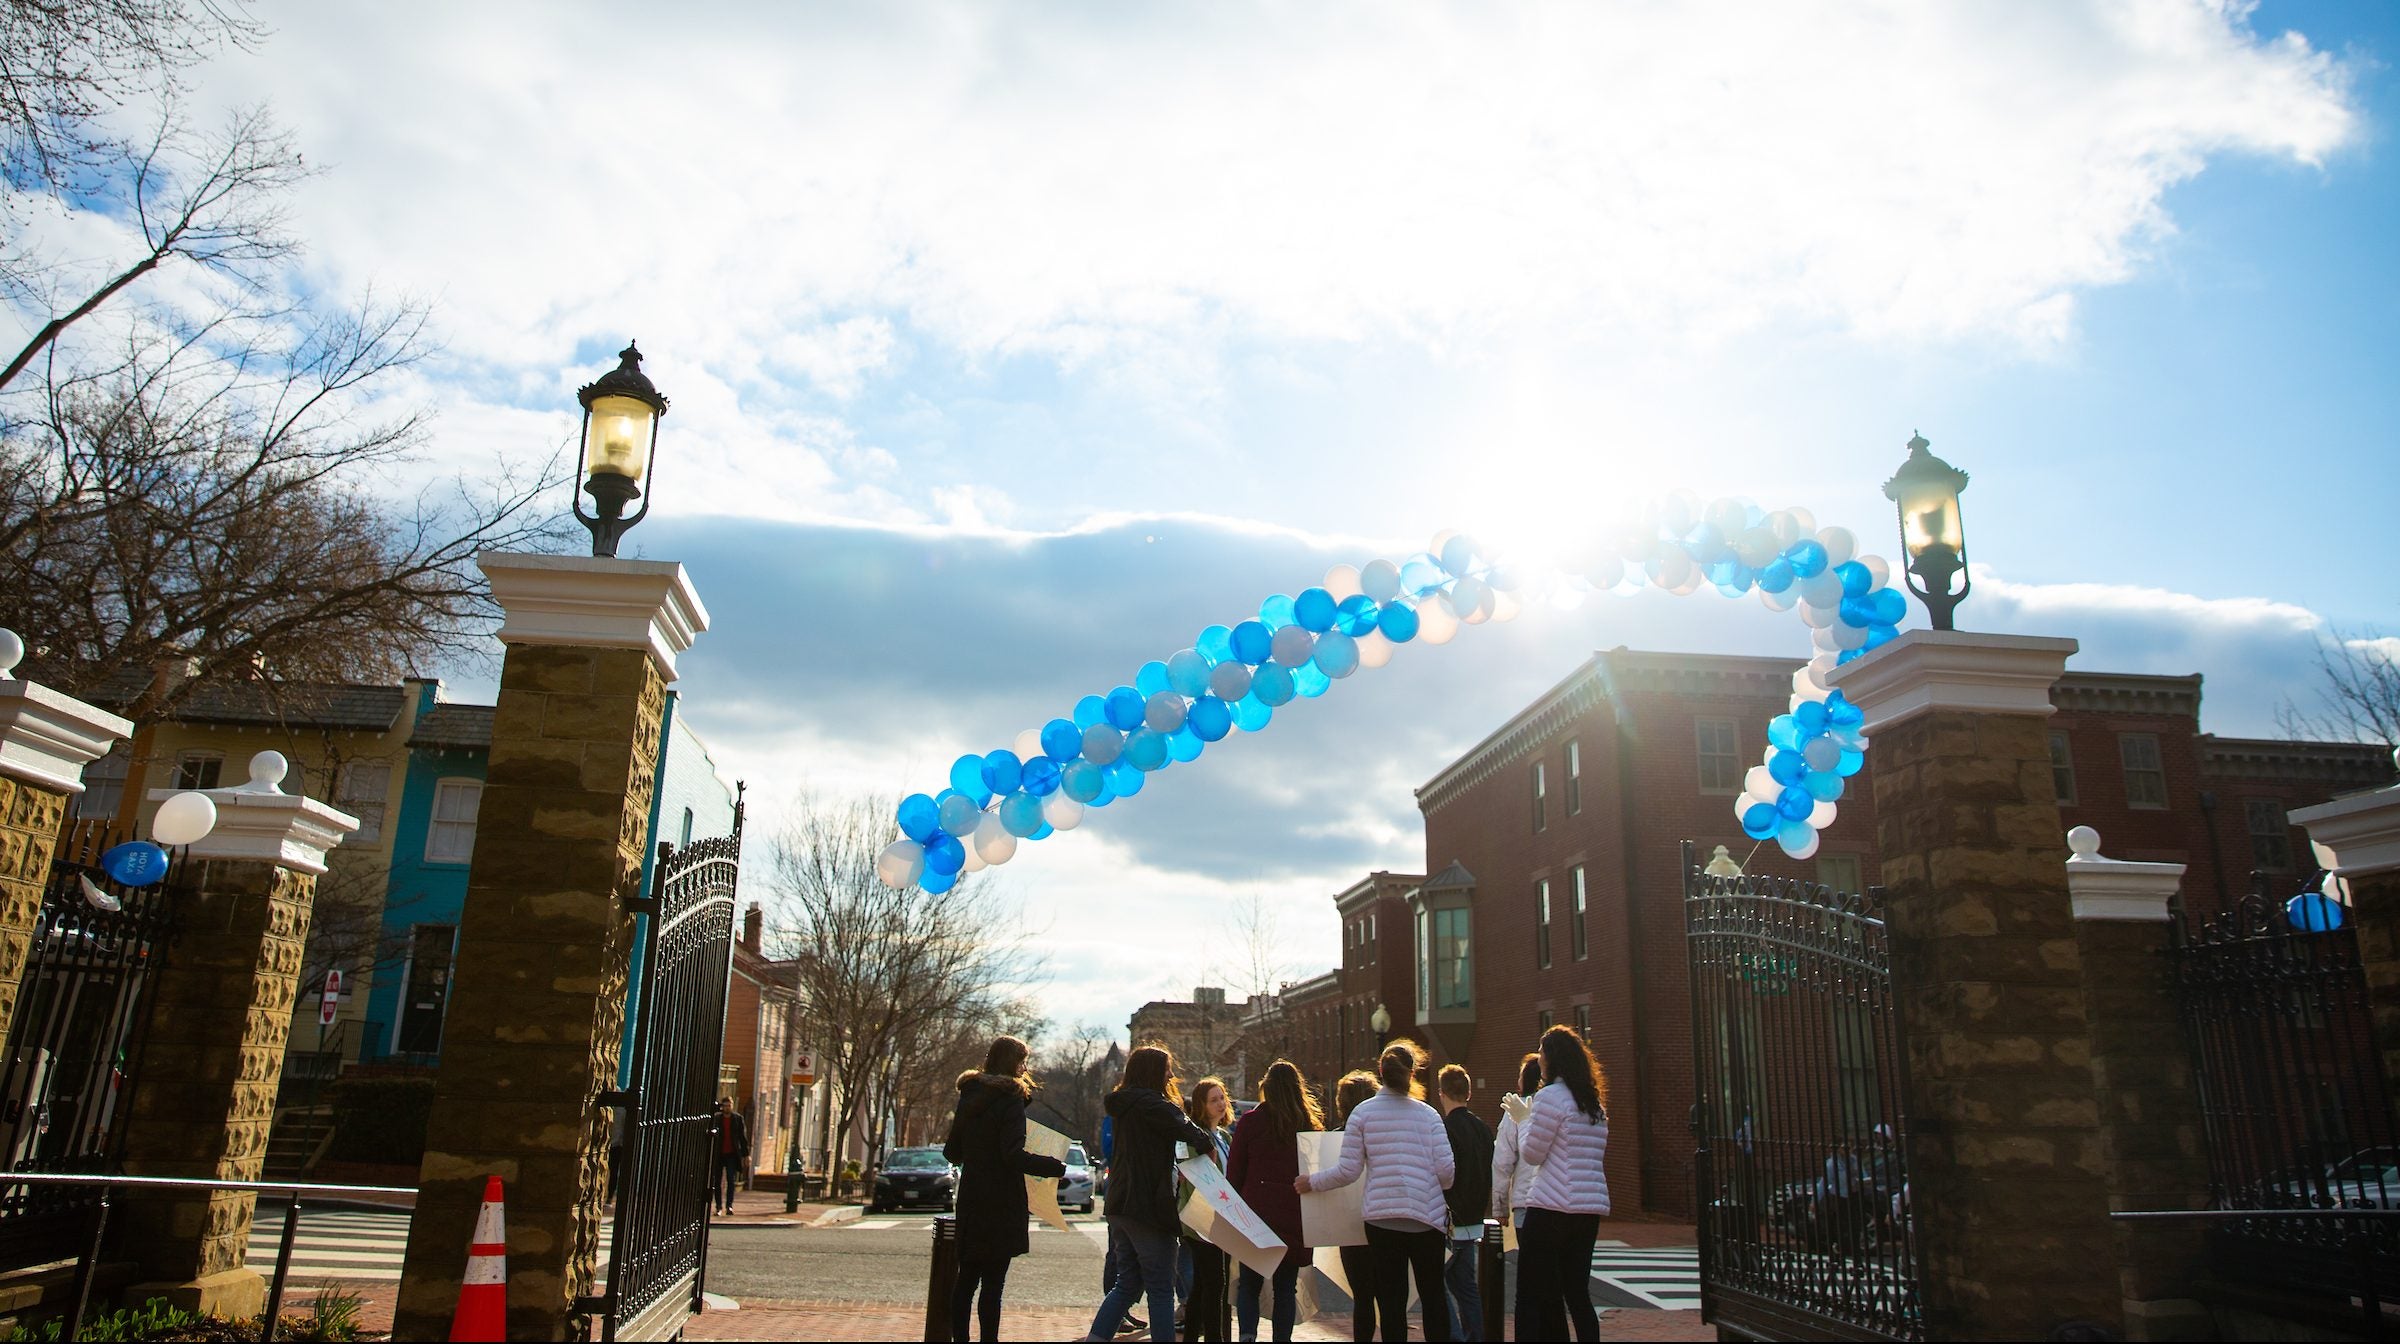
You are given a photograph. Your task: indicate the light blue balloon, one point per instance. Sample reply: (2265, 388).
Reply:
(1151, 679)
(1020, 814)
(1062, 740)
(1089, 710)
(1187, 674)
(1253, 642)
(1795, 837)
(1823, 785)
(1124, 781)
(1250, 715)
(1125, 709)
(1422, 576)
(1822, 753)
(1277, 612)
(1841, 713)
(1146, 749)
(966, 776)
(1185, 745)
(1398, 622)
(1851, 763)
(1784, 731)
(1272, 685)
(1081, 781)
(1046, 831)
(1459, 555)
(1309, 681)
(1003, 772)
(1314, 609)
(958, 811)
(1337, 654)
(1356, 615)
(919, 819)
(1209, 718)
(1215, 644)
(1041, 777)
(936, 883)
(1777, 576)
(1106, 795)
(1164, 713)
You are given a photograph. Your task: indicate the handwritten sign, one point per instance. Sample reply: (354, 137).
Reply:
(1331, 1217)
(1041, 1192)
(1218, 1216)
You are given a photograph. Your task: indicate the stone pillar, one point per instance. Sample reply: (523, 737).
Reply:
(219, 1018)
(2358, 839)
(45, 741)
(537, 1006)
(2005, 1168)
(2151, 1142)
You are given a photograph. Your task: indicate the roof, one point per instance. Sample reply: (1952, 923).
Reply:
(288, 704)
(454, 726)
(2341, 765)
(1453, 878)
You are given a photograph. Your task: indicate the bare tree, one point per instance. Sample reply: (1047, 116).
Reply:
(2357, 691)
(883, 970)
(1074, 1083)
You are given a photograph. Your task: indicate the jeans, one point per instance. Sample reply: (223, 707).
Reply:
(1554, 1252)
(1286, 1302)
(1396, 1256)
(1466, 1296)
(992, 1276)
(1145, 1268)
(729, 1179)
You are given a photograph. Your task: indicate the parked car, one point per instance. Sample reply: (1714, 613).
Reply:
(914, 1178)
(1079, 1191)
(2367, 1179)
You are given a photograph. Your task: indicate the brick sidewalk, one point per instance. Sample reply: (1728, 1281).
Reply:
(759, 1319)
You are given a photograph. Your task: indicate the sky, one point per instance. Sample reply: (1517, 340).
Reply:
(1010, 346)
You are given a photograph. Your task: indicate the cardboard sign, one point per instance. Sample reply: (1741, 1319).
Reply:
(1217, 1215)
(1041, 1192)
(1331, 1217)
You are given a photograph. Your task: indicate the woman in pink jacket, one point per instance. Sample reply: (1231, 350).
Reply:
(1401, 1146)
(1566, 1135)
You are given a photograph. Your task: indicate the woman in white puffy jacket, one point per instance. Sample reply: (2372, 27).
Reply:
(1566, 1134)
(1512, 1175)
(1399, 1144)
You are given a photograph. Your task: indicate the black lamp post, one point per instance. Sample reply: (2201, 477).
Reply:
(621, 412)
(1926, 489)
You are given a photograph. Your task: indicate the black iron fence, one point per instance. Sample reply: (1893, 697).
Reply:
(75, 1043)
(1805, 1227)
(2293, 1100)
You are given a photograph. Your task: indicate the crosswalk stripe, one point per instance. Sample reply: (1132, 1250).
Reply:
(1665, 1277)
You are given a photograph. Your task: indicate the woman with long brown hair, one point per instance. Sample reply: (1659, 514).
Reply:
(1265, 1161)
(1142, 1222)
(987, 1142)
(1397, 1143)
(1201, 1264)
(1566, 1135)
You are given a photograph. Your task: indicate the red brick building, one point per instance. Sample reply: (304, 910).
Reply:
(1555, 848)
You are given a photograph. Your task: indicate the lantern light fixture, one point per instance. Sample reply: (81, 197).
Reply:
(621, 411)
(1932, 534)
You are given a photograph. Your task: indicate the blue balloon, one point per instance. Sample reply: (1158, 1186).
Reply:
(1187, 674)
(1824, 785)
(1045, 831)
(1146, 749)
(1125, 705)
(1336, 655)
(1250, 715)
(1277, 612)
(958, 811)
(1879, 635)
(1215, 644)
(919, 817)
(1123, 780)
(1795, 836)
(1090, 710)
(1398, 622)
(1041, 777)
(1421, 576)
(1151, 679)
(1777, 576)
(2314, 912)
(944, 855)
(1851, 763)
(1310, 680)
(1856, 578)
(1784, 731)
(1253, 642)
(1106, 795)
(1848, 656)
(1314, 609)
(1081, 781)
(1841, 713)
(1807, 558)
(1459, 555)
(1812, 717)
(136, 863)
(1786, 766)
(1185, 745)
(1002, 771)
(1020, 814)
(1857, 611)
(1794, 803)
(1355, 616)
(1062, 740)
(966, 776)
(1759, 821)
(1209, 718)
(1887, 605)
(1103, 744)
(1705, 544)
(937, 883)
(1273, 685)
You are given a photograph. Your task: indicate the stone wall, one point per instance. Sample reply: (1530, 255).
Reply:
(30, 816)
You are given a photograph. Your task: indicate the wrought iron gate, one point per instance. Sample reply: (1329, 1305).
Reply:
(76, 1038)
(1802, 1173)
(659, 1253)
(2293, 1099)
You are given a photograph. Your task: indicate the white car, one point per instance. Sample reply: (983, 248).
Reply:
(1080, 1189)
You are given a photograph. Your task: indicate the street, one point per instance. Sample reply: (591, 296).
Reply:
(883, 1259)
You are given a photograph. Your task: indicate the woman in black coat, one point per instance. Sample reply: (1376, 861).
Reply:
(1142, 1217)
(987, 1142)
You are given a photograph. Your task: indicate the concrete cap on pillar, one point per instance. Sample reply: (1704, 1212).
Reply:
(46, 738)
(1927, 670)
(2105, 888)
(594, 603)
(2361, 832)
(259, 821)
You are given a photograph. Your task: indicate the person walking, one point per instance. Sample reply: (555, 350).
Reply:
(1397, 1142)
(1566, 1134)
(732, 1147)
(1211, 1108)
(1470, 1194)
(987, 1145)
(1264, 1161)
(1358, 1263)
(1141, 1191)
(1512, 1179)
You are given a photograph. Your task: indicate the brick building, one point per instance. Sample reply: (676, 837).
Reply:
(762, 1003)
(1555, 853)
(1313, 1012)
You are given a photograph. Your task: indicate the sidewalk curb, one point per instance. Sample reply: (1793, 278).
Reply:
(848, 1213)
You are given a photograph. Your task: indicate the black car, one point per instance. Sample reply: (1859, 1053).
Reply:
(915, 1178)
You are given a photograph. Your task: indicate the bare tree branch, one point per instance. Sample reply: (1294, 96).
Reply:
(2357, 691)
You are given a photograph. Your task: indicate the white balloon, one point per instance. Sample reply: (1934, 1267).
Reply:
(1293, 646)
(1062, 812)
(993, 841)
(1505, 606)
(958, 813)
(1606, 572)
(1435, 623)
(1785, 529)
(1691, 582)
(1822, 637)
(1824, 663)
(1342, 581)
(1825, 590)
(900, 863)
(1466, 596)
(1373, 649)
(1102, 744)
(1818, 617)
(1440, 539)
(183, 819)
(973, 862)
(1840, 545)
(1229, 681)
(1807, 849)
(1671, 567)
(1804, 521)
(1847, 636)
(1878, 569)
(1028, 744)
(1380, 580)
(1821, 816)
(1783, 601)
(1164, 711)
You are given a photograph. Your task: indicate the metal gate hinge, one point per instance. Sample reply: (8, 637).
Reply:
(620, 1097)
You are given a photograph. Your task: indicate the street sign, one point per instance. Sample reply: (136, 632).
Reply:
(333, 998)
(804, 1069)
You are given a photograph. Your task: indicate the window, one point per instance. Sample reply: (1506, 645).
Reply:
(1541, 1020)
(2270, 835)
(2062, 770)
(198, 769)
(1576, 917)
(1453, 971)
(1841, 872)
(1541, 793)
(687, 828)
(1370, 930)
(1720, 756)
(1583, 1020)
(364, 787)
(1541, 922)
(451, 839)
(1424, 963)
(2145, 774)
(104, 785)
(1574, 777)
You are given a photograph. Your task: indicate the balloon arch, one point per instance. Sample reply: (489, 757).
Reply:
(1234, 678)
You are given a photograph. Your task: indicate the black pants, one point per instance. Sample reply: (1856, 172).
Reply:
(1554, 1274)
(1397, 1255)
(992, 1277)
(1204, 1306)
(1358, 1266)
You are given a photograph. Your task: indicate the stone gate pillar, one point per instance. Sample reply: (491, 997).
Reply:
(2005, 1168)
(219, 1018)
(538, 1000)
(45, 741)
(2358, 837)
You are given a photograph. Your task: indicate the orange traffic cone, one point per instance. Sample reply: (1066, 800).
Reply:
(483, 1294)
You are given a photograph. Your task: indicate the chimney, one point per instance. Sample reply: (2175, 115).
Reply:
(170, 672)
(754, 927)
